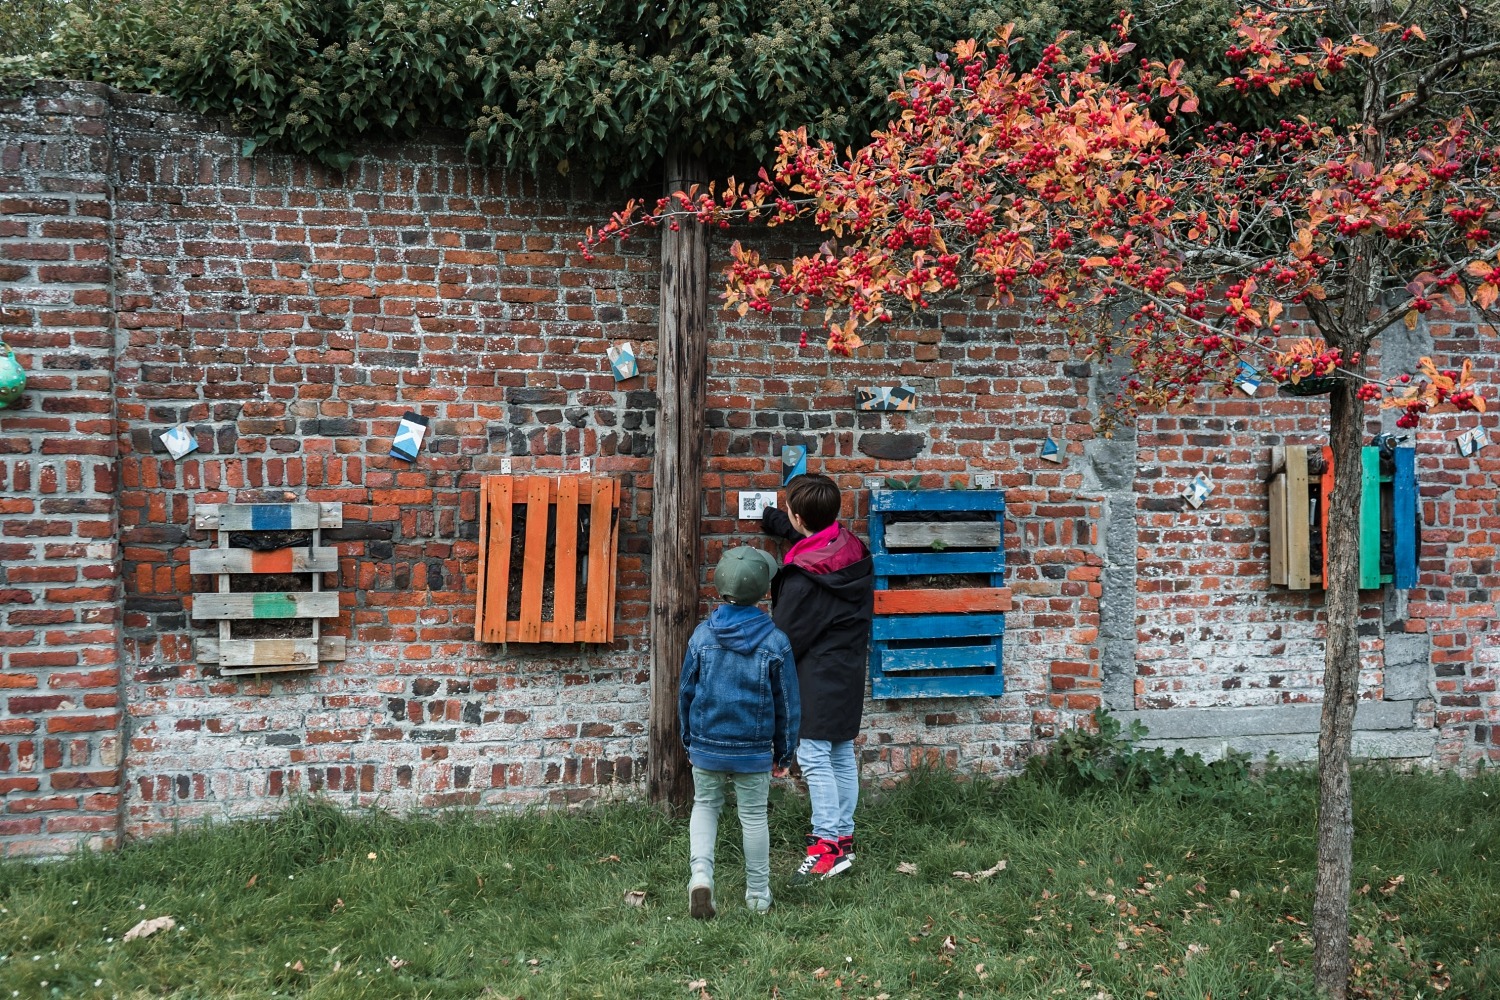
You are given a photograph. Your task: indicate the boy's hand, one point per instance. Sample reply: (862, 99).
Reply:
(780, 771)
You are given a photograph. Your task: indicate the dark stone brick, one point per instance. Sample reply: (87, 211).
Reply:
(522, 396)
(892, 447)
(283, 740)
(359, 531)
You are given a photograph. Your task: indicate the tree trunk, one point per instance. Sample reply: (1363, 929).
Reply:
(676, 505)
(1340, 691)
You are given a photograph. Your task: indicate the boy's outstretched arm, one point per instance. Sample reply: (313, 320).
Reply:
(774, 522)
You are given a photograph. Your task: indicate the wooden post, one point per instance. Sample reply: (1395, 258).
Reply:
(677, 472)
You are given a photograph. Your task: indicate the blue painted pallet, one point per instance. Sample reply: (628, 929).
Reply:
(936, 655)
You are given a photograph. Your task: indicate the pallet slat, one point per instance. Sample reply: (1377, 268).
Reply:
(909, 500)
(268, 516)
(1404, 514)
(209, 562)
(266, 606)
(941, 658)
(534, 561)
(1369, 518)
(936, 626)
(960, 600)
(1298, 520)
(329, 647)
(1278, 528)
(239, 653)
(908, 686)
(600, 510)
(565, 561)
(939, 563)
(948, 534)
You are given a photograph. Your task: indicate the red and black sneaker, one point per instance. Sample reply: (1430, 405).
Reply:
(846, 845)
(823, 860)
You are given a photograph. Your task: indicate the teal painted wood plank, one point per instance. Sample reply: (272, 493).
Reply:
(269, 605)
(1369, 519)
(906, 500)
(976, 658)
(887, 627)
(886, 686)
(1404, 517)
(944, 535)
(938, 563)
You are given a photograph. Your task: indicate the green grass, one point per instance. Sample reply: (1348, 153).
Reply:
(1105, 895)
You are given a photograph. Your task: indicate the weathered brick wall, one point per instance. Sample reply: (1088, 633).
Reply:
(60, 728)
(291, 315)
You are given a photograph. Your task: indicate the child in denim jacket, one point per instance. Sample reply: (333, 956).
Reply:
(739, 710)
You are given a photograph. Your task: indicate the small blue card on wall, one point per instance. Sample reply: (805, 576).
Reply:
(622, 361)
(179, 441)
(793, 462)
(408, 440)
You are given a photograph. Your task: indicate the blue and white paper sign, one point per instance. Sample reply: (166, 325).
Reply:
(1199, 490)
(622, 361)
(1247, 379)
(409, 436)
(179, 441)
(793, 462)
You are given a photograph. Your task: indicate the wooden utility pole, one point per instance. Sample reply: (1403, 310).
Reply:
(677, 475)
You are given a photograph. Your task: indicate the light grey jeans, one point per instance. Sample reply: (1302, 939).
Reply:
(750, 794)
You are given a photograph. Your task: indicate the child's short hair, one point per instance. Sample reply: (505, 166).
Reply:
(815, 499)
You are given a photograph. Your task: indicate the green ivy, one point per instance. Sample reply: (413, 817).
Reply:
(602, 87)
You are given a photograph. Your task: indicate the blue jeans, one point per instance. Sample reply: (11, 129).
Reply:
(832, 777)
(750, 794)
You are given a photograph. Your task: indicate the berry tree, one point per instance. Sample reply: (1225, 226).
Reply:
(1085, 187)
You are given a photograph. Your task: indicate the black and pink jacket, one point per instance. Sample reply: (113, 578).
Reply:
(823, 598)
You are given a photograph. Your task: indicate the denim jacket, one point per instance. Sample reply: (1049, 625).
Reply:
(737, 702)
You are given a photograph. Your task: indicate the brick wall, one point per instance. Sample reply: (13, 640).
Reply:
(60, 728)
(290, 315)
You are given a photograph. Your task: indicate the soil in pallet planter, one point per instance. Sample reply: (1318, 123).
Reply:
(549, 578)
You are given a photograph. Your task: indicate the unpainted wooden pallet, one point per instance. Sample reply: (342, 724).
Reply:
(266, 656)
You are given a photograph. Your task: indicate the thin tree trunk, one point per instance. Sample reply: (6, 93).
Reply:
(1340, 691)
(681, 383)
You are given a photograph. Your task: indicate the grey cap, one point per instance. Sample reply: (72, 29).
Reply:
(744, 574)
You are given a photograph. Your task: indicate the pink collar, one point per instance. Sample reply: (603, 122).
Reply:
(816, 540)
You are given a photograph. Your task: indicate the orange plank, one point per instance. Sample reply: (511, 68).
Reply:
(612, 558)
(484, 543)
(596, 618)
(275, 561)
(917, 602)
(534, 562)
(497, 583)
(1326, 487)
(565, 561)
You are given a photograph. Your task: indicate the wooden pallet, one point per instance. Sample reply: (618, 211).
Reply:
(266, 656)
(938, 642)
(567, 550)
(1387, 518)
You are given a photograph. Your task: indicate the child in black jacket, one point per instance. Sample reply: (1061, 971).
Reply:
(823, 599)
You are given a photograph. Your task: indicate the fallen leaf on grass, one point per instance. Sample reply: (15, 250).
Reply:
(608, 858)
(297, 966)
(977, 876)
(950, 944)
(1390, 885)
(251, 884)
(338, 904)
(396, 963)
(635, 897)
(906, 868)
(698, 984)
(146, 928)
(820, 973)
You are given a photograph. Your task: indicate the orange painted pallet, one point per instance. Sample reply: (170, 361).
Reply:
(544, 543)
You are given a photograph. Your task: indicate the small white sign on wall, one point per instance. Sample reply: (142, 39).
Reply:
(753, 503)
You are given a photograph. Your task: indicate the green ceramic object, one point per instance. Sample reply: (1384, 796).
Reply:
(12, 377)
